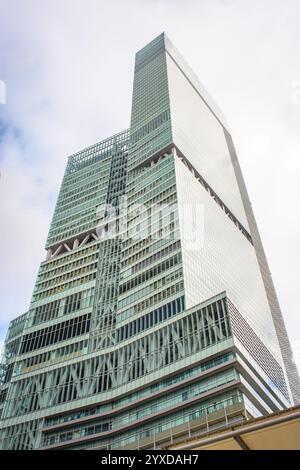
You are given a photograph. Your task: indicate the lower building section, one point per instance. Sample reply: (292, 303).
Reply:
(277, 431)
(192, 370)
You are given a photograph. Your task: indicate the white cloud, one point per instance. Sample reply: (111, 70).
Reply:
(68, 68)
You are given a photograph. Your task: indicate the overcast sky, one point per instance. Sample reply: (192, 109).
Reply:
(68, 70)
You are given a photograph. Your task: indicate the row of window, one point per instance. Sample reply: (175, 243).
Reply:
(134, 258)
(133, 397)
(80, 217)
(170, 422)
(150, 319)
(50, 439)
(149, 148)
(68, 257)
(95, 186)
(150, 126)
(152, 300)
(104, 150)
(153, 211)
(70, 233)
(56, 308)
(175, 398)
(169, 230)
(143, 178)
(63, 287)
(46, 312)
(66, 193)
(69, 212)
(142, 106)
(178, 340)
(149, 213)
(51, 357)
(80, 165)
(71, 179)
(153, 272)
(156, 285)
(55, 333)
(73, 303)
(153, 195)
(156, 256)
(12, 348)
(45, 274)
(140, 249)
(16, 326)
(65, 277)
(157, 406)
(135, 247)
(134, 193)
(257, 349)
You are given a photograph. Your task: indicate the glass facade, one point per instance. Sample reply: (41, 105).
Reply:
(152, 315)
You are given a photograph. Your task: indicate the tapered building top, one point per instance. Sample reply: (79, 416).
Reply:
(170, 108)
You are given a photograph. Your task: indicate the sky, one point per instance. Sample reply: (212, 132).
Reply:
(67, 67)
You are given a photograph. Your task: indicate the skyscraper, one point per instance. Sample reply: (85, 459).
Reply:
(154, 314)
